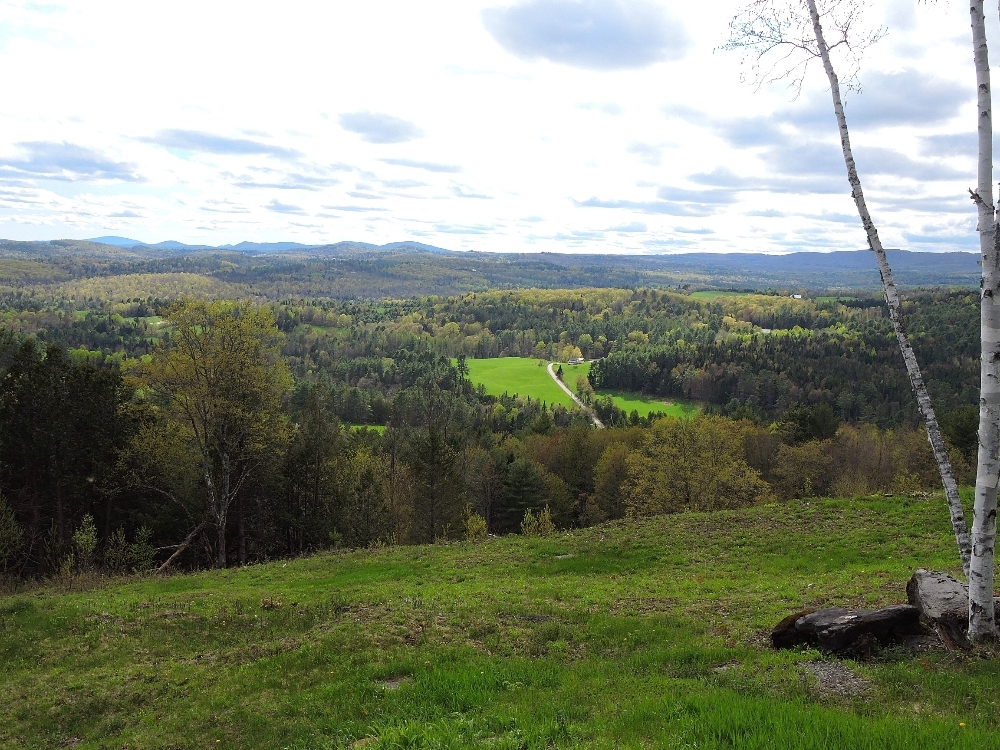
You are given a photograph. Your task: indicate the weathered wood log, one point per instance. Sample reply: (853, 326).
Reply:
(838, 630)
(784, 634)
(943, 602)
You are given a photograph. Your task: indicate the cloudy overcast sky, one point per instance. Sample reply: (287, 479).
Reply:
(538, 125)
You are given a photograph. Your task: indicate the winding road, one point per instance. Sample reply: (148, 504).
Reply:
(586, 409)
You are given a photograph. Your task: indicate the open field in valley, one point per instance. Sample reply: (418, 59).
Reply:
(516, 375)
(526, 377)
(646, 405)
(711, 294)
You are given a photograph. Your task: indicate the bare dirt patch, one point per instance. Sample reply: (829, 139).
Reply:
(395, 683)
(836, 679)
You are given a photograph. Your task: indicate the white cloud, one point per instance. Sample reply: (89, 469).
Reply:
(213, 123)
(590, 34)
(376, 127)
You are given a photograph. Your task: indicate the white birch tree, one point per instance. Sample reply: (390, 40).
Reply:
(780, 40)
(982, 619)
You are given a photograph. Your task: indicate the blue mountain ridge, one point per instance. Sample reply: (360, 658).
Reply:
(259, 247)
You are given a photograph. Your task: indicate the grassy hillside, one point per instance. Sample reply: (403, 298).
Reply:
(641, 634)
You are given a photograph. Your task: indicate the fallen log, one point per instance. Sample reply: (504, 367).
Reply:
(838, 630)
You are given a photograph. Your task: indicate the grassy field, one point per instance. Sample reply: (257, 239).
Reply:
(379, 428)
(646, 405)
(526, 378)
(516, 375)
(636, 634)
(710, 294)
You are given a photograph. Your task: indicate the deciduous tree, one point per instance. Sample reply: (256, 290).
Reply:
(982, 618)
(691, 464)
(220, 380)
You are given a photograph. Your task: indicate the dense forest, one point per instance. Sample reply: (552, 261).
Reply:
(144, 432)
(752, 356)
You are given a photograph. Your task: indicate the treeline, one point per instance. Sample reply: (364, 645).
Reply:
(749, 357)
(208, 453)
(852, 364)
(752, 356)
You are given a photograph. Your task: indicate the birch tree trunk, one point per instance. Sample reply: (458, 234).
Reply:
(958, 523)
(982, 623)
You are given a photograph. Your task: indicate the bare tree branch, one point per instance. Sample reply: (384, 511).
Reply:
(778, 44)
(181, 547)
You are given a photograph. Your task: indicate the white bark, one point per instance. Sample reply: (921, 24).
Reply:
(895, 309)
(181, 547)
(982, 622)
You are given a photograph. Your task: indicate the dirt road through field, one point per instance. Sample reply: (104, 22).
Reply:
(586, 409)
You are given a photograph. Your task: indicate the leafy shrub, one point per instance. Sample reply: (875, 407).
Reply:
(141, 553)
(692, 464)
(11, 535)
(803, 470)
(121, 557)
(116, 557)
(475, 526)
(540, 525)
(85, 542)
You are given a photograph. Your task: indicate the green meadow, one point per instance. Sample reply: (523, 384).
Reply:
(645, 405)
(634, 634)
(525, 377)
(711, 294)
(517, 375)
(379, 428)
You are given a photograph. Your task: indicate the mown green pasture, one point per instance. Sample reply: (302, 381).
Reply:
(517, 375)
(645, 405)
(526, 378)
(711, 294)
(630, 402)
(637, 634)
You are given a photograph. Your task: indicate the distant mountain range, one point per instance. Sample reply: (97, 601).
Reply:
(401, 270)
(258, 247)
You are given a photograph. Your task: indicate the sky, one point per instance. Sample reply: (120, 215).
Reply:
(611, 126)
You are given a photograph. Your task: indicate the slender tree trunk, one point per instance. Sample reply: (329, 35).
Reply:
(181, 547)
(242, 530)
(982, 623)
(220, 540)
(222, 516)
(938, 446)
(60, 515)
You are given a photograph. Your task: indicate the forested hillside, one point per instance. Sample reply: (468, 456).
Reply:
(108, 460)
(357, 271)
(745, 355)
